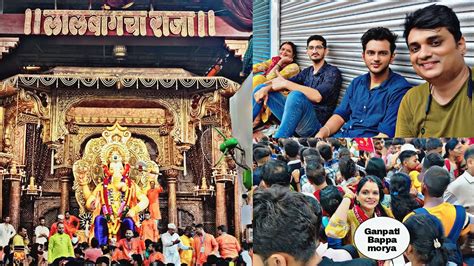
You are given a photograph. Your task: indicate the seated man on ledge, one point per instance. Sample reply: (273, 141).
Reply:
(370, 105)
(312, 98)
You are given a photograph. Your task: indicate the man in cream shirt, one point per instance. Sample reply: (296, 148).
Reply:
(171, 242)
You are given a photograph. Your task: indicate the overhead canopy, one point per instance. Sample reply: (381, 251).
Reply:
(117, 78)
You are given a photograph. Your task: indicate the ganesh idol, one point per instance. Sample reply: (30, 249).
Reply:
(118, 197)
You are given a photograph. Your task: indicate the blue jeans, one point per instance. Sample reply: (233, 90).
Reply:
(295, 112)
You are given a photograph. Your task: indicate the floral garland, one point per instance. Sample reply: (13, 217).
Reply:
(106, 206)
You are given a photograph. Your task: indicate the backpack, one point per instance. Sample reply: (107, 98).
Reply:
(450, 243)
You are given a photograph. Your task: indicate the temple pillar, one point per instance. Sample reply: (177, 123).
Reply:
(237, 210)
(1, 191)
(15, 196)
(172, 175)
(221, 210)
(5, 160)
(64, 179)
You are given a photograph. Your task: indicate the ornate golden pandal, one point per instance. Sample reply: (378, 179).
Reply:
(88, 171)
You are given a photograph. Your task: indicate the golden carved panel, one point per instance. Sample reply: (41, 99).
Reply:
(114, 140)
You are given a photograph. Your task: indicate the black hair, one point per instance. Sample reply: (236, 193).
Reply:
(347, 167)
(212, 259)
(293, 48)
(436, 180)
(259, 145)
(314, 159)
(330, 198)
(276, 172)
(469, 153)
(432, 17)
(450, 145)
(303, 142)
(281, 142)
(376, 180)
(315, 173)
(138, 258)
(309, 152)
(325, 151)
(102, 259)
(316, 207)
(291, 147)
(405, 155)
(94, 242)
(433, 159)
(148, 242)
(316, 38)
(419, 143)
(199, 226)
(223, 228)
(312, 142)
(344, 152)
(433, 143)
(425, 230)
(379, 34)
(278, 211)
(301, 153)
(398, 141)
(401, 201)
(376, 167)
(335, 143)
(260, 153)
(158, 246)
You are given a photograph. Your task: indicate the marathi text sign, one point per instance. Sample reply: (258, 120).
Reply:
(119, 23)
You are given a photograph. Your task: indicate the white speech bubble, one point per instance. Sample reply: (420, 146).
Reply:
(381, 238)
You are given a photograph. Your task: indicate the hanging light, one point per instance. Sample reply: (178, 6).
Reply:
(15, 172)
(32, 189)
(120, 52)
(223, 175)
(204, 189)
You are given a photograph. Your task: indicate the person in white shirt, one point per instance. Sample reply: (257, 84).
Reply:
(6, 231)
(460, 190)
(246, 254)
(171, 242)
(41, 232)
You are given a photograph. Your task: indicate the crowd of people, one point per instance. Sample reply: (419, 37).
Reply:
(380, 103)
(310, 195)
(60, 244)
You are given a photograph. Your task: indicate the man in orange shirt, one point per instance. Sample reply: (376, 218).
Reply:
(127, 247)
(204, 245)
(149, 230)
(71, 223)
(54, 226)
(229, 246)
(153, 196)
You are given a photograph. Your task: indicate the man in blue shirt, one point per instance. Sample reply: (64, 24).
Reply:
(369, 107)
(312, 97)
